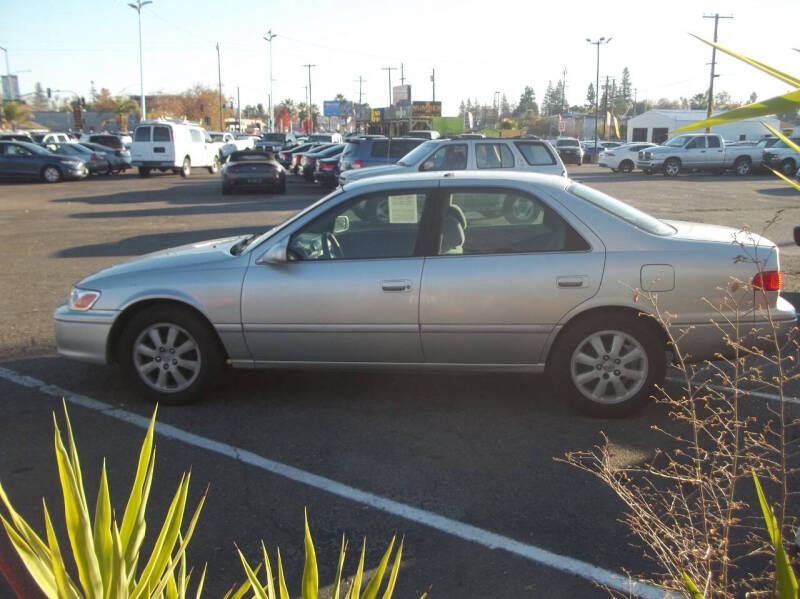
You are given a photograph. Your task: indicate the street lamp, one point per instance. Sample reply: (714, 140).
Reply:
(597, 43)
(138, 8)
(8, 73)
(269, 37)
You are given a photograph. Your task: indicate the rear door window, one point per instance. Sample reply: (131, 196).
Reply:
(713, 142)
(161, 134)
(535, 153)
(380, 149)
(142, 134)
(493, 155)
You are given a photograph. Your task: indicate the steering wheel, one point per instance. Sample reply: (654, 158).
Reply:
(332, 247)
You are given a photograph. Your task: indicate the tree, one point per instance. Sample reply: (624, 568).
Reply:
(590, 95)
(122, 108)
(527, 102)
(103, 102)
(92, 93)
(753, 97)
(698, 101)
(39, 97)
(505, 108)
(667, 104)
(16, 115)
(547, 102)
(625, 86)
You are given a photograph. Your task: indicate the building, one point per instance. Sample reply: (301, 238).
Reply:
(655, 125)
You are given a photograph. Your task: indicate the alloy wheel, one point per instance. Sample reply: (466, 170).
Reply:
(166, 357)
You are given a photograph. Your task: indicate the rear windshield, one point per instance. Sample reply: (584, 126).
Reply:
(418, 153)
(274, 137)
(161, 134)
(629, 214)
(563, 143)
(142, 134)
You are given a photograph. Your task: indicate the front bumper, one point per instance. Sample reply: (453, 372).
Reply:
(84, 335)
(653, 164)
(76, 172)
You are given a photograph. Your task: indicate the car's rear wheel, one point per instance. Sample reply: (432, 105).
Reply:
(144, 171)
(51, 174)
(214, 168)
(626, 166)
(672, 167)
(608, 364)
(788, 167)
(282, 186)
(226, 190)
(742, 166)
(186, 168)
(170, 354)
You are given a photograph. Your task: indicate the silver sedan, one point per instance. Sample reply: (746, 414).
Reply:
(431, 270)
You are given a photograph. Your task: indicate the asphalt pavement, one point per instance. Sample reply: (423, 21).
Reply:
(461, 465)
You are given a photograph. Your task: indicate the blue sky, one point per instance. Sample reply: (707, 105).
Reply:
(475, 47)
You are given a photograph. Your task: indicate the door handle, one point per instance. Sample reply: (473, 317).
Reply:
(573, 282)
(396, 285)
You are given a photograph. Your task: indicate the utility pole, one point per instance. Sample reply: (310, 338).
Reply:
(597, 43)
(239, 106)
(716, 18)
(433, 81)
(564, 90)
(389, 69)
(219, 78)
(360, 81)
(8, 75)
(269, 37)
(402, 78)
(138, 8)
(605, 110)
(309, 67)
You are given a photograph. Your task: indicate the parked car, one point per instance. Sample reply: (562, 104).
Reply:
(469, 154)
(16, 137)
(51, 137)
(277, 141)
(175, 146)
(622, 158)
(287, 156)
(569, 149)
(698, 151)
(96, 162)
(120, 159)
(330, 138)
(781, 157)
(328, 288)
(308, 160)
(423, 134)
(250, 169)
(26, 160)
(327, 171)
(376, 151)
(112, 140)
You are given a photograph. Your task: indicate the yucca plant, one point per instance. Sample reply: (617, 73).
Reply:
(784, 103)
(106, 554)
(310, 581)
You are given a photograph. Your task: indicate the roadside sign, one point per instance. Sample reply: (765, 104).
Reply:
(331, 108)
(375, 115)
(426, 108)
(77, 117)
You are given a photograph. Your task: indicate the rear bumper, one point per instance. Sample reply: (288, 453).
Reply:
(84, 335)
(155, 163)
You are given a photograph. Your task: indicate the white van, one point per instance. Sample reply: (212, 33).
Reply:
(175, 146)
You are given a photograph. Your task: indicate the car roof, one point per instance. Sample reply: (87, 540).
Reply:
(487, 177)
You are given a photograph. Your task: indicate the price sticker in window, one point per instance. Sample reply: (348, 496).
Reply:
(403, 209)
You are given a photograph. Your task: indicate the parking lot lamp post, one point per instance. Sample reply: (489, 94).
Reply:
(597, 43)
(138, 8)
(269, 37)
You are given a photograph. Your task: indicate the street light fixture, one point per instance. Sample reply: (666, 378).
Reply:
(597, 43)
(138, 8)
(269, 37)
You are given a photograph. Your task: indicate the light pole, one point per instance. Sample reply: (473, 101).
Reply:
(310, 114)
(597, 43)
(8, 75)
(138, 8)
(269, 37)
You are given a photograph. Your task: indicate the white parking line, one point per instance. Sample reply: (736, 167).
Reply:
(454, 528)
(758, 394)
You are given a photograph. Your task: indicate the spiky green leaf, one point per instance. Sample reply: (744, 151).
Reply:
(374, 584)
(268, 566)
(784, 103)
(251, 577)
(282, 589)
(395, 570)
(310, 583)
(337, 581)
(103, 543)
(356, 588)
(694, 592)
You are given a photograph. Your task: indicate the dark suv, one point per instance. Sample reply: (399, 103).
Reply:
(376, 151)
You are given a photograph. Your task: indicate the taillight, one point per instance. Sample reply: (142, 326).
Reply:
(326, 167)
(357, 164)
(94, 157)
(770, 280)
(284, 156)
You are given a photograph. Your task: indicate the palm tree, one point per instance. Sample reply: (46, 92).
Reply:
(123, 107)
(286, 107)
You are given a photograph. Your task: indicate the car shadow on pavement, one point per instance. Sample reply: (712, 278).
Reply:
(143, 244)
(590, 177)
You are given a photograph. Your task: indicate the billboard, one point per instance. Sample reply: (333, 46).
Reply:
(10, 88)
(331, 108)
(429, 109)
(401, 93)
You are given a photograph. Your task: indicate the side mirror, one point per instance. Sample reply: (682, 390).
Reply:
(341, 224)
(276, 254)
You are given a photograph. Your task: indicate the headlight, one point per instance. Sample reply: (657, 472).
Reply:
(82, 299)
(72, 162)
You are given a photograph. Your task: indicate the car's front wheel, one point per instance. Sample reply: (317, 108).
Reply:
(214, 168)
(170, 354)
(608, 364)
(672, 167)
(742, 166)
(788, 167)
(51, 174)
(626, 166)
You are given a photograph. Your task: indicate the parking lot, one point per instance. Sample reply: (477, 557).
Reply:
(461, 465)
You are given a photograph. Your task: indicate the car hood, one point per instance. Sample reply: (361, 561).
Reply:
(718, 234)
(374, 171)
(203, 253)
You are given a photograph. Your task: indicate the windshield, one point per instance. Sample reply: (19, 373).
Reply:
(629, 214)
(561, 143)
(267, 234)
(217, 137)
(678, 142)
(274, 137)
(417, 154)
(782, 144)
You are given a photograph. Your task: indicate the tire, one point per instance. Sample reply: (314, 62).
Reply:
(161, 371)
(186, 168)
(672, 167)
(214, 168)
(51, 174)
(519, 210)
(788, 167)
(226, 191)
(106, 173)
(626, 166)
(581, 370)
(144, 171)
(742, 166)
(282, 186)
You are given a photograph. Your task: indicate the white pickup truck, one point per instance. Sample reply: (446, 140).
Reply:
(698, 151)
(227, 143)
